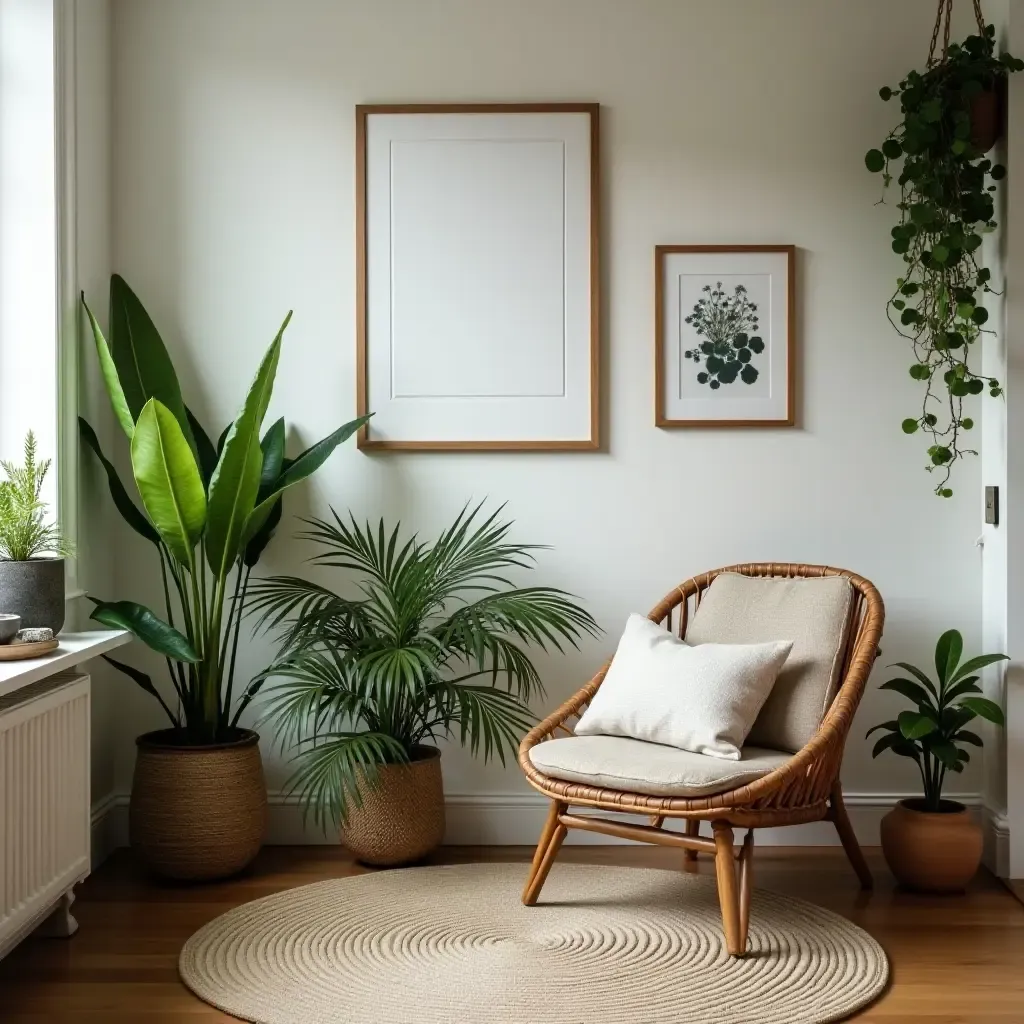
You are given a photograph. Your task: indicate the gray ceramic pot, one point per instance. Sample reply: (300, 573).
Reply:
(35, 591)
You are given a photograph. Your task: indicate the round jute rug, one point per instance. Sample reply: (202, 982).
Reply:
(454, 945)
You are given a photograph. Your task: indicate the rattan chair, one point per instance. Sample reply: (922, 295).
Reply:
(804, 789)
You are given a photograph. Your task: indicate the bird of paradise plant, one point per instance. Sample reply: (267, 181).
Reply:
(209, 510)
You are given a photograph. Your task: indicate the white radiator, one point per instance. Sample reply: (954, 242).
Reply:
(44, 799)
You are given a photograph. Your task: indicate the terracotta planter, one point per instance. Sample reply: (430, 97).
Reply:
(987, 116)
(402, 816)
(197, 812)
(931, 851)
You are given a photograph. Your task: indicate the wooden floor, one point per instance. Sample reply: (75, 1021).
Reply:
(954, 959)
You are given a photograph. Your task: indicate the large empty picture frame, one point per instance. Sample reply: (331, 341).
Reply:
(477, 249)
(724, 335)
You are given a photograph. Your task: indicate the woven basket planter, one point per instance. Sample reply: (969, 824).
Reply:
(197, 812)
(401, 819)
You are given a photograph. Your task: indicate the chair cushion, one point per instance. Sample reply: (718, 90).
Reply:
(633, 766)
(662, 690)
(814, 613)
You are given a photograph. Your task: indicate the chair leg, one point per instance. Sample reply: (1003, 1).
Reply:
(746, 884)
(728, 897)
(846, 835)
(547, 849)
(692, 829)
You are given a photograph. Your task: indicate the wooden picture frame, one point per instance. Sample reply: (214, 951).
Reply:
(680, 372)
(477, 420)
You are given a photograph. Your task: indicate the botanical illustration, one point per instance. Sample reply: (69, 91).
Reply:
(728, 326)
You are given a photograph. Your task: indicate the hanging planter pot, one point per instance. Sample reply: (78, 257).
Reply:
(934, 159)
(987, 112)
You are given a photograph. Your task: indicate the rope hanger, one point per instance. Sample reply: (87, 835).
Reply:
(943, 17)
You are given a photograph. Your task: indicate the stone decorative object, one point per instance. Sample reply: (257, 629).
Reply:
(34, 589)
(33, 636)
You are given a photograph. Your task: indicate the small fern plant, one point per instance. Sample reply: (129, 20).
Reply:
(25, 530)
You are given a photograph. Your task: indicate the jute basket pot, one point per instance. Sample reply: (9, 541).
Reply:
(931, 851)
(401, 819)
(197, 812)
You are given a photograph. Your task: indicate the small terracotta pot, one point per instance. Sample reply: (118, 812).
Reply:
(197, 812)
(931, 851)
(401, 819)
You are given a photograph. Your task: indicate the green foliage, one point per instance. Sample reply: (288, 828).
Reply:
(933, 734)
(433, 645)
(945, 206)
(200, 501)
(24, 530)
(724, 321)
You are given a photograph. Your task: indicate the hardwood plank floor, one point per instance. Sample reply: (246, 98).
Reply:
(955, 960)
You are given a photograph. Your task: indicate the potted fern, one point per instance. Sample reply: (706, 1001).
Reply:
(930, 843)
(32, 547)
(199, 803)
(431, 643)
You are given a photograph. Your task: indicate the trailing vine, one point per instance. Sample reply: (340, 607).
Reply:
(946, 205)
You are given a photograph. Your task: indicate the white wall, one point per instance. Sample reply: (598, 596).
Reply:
(736, 121)
(90, 268)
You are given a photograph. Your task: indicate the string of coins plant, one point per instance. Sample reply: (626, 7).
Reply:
(946, 204)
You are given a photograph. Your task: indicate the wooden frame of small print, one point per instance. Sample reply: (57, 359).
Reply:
(477, 260)
(725, 348)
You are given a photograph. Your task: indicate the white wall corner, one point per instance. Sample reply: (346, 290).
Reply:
(996, 855)
(109, 826)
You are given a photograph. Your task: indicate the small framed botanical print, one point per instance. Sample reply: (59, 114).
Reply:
(724, 325)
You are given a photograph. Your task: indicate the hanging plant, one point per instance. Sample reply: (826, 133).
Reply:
(950, 119)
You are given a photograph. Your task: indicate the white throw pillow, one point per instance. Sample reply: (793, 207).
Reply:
(702, 698)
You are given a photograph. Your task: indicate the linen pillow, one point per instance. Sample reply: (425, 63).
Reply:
(662, 690)
(815, 613)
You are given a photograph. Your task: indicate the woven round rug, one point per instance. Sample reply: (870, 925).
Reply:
(447, 945)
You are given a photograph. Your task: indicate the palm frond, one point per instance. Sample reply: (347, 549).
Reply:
(332, 776)
(435, 644)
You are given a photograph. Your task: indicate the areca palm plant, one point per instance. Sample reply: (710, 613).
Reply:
(209, 510)
(432, 643)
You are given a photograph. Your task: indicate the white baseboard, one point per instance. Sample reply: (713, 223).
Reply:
(109, 826)
(515, 819)
(996, 855)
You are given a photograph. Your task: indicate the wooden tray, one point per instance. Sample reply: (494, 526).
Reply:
(20, 652)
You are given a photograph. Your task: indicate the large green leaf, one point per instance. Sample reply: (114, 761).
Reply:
(145, 682)
(947, 655)
(911, 690)
(973, 665)
(914, 725)
(143, 365)
(984, 708)
(122, 502)
(151, 630)
(236, 480)
(261, 538)
(168, 480)
(298, 470)
(205, 451)
(919, 675)
(890, 726)
(110, 377)
(272, 448)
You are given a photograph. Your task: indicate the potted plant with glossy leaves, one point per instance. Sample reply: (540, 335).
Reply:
(198, 804)
(32, 548)
(932, 844)
(432, 644)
